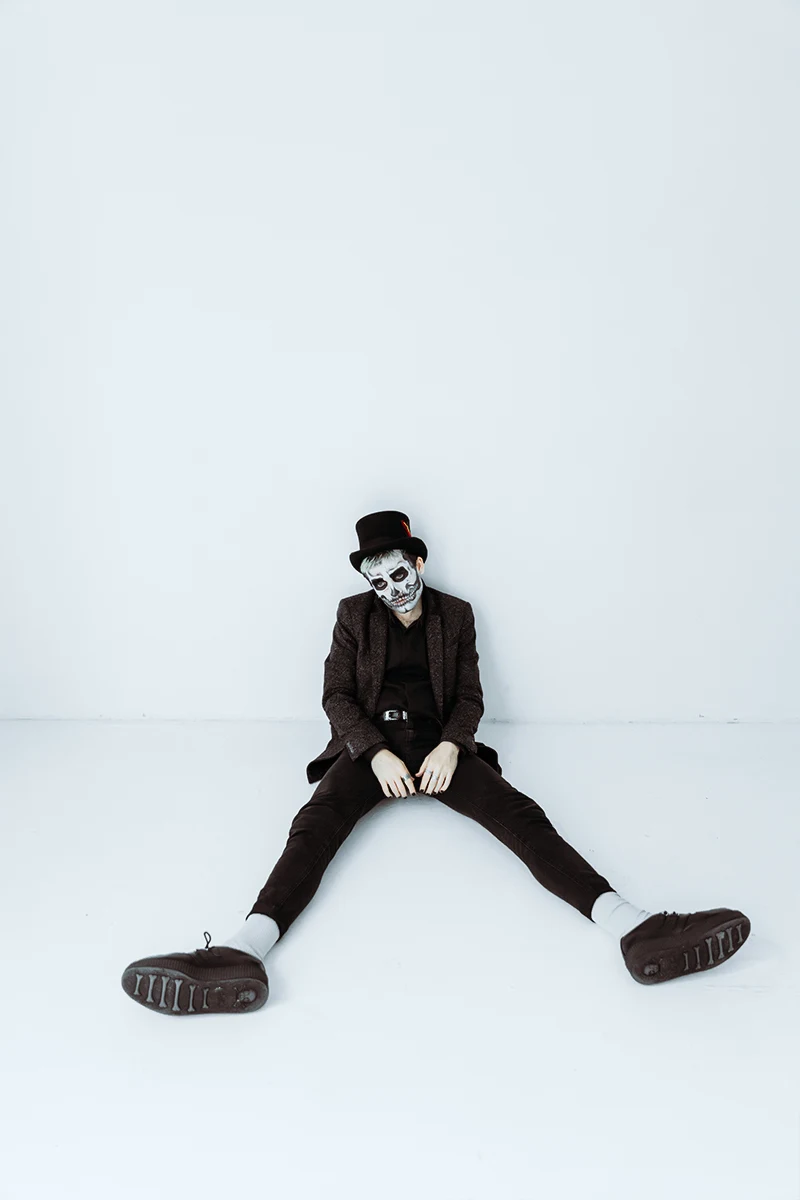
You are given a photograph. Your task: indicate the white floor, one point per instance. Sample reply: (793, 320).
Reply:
(439, 1026)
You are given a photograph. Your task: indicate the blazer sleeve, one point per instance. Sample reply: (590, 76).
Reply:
(465, 715)
(342, 709)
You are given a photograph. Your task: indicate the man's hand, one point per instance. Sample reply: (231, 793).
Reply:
(438, 767)
(393, 773)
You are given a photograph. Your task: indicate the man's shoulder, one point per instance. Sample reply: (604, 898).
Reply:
(454, 602)
(359, 600)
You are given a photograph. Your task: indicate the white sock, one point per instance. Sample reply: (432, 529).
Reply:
(257, 936)
(616, 915)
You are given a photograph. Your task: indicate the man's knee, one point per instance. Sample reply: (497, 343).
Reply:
(482, 787)
(473, 772)
(344, 791)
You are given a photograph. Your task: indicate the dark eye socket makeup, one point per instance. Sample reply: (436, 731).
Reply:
(397, 576)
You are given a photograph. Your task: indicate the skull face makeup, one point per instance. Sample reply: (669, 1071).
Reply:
(394, 578)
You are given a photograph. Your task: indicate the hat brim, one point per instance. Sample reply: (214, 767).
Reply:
(414, 545)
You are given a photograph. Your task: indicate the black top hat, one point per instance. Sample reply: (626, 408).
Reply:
(381, 531)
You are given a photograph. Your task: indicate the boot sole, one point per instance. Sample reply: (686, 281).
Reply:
(719, 943)
(176, 994)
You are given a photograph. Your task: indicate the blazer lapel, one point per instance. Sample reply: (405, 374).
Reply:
(433, 636)
(379, 635)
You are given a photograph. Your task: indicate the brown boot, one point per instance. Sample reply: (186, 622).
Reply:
(672, 945)
(215, 979)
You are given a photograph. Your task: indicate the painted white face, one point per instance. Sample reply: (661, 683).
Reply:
(393, 578)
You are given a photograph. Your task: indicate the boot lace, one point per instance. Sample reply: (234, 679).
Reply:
(208, 948)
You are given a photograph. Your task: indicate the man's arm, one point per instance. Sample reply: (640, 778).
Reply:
(339, 694)
(467, 711)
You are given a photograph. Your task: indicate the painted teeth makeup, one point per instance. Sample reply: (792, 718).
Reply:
(394, 578)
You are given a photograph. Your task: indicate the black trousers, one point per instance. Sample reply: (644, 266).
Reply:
(350, 789)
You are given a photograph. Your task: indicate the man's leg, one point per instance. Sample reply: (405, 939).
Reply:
(477, 791)
(347, 792)
(230, 976)
(656, 947)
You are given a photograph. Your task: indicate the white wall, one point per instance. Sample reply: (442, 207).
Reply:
(526, 271)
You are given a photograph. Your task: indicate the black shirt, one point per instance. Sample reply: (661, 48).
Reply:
(406, 679)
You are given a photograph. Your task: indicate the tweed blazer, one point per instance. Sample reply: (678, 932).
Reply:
(354, 669)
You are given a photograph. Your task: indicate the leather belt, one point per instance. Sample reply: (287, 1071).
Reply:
(400, 714)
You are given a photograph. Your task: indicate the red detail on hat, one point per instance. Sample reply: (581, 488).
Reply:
(405, 526)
